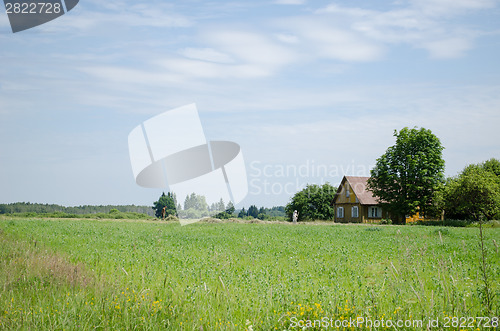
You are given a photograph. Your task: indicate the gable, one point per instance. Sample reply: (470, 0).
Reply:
(345, 194)
(358, 187)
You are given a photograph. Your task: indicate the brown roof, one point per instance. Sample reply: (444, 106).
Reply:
(360, 188)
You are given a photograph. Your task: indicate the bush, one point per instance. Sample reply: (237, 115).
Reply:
(313, 203)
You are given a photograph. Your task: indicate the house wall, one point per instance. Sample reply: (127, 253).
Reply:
(347, 202)
(348, 213)
(366, 214)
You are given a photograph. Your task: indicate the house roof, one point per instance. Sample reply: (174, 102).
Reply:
(360, 187)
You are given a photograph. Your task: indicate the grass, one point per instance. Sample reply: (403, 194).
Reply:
(113, 214)
(109, 274)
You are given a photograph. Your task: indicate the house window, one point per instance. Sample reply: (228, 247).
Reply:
(354, 212)
(340, 212)
(375, 212)
(347, 193)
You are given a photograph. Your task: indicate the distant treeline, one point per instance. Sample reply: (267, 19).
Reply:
(39, 208)
(125, 211)
(274, 213)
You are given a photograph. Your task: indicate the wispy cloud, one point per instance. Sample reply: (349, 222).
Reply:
(320, 38)
(290, 2)
(447, 48)
(120, 15)
(336, 33)
(437, 8)
(251, 47)
(206, 54)
(424, 24)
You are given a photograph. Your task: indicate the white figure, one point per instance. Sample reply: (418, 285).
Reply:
(295, 216)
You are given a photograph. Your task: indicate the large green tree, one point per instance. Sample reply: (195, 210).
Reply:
(314, 202)
(406, 176)
(253, 211)
(165, 200)
(474, 194)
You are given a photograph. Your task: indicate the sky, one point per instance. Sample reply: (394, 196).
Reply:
(310, 90)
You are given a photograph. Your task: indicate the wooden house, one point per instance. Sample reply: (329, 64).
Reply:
(354, 203)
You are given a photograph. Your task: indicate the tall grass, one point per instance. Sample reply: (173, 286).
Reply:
(148, 275)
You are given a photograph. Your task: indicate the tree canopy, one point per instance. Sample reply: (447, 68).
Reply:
(165, 200)
(313, 203)
(475, 193)
(492, 165)
(406, 176)
(253, 211)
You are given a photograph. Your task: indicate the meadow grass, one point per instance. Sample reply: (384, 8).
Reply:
(107, 274)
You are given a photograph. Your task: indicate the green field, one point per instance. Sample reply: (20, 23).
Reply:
(85, 274)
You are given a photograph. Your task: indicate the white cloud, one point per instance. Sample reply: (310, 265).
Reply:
(451, 7)
(202, 69)
(206, 54)
(135, 76)
(423, 24)
(321, 38)
(234, 53)
(251, 47)
(447, 48)
(290, 2)
(350, 11)
(118, 15)
(287, 38)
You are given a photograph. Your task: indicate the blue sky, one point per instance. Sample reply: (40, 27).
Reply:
(311, 90)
